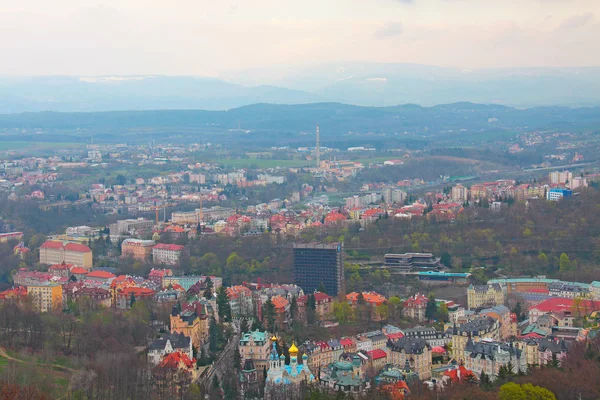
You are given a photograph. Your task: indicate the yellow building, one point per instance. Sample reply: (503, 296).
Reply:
(477, 329)
(415, 351)
(485, 296)
(57, 252)
(46, 297)
(192, 323)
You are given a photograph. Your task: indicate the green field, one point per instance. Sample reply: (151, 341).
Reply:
(9, 146)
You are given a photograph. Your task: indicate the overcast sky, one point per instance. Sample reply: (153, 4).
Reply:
(210, 37)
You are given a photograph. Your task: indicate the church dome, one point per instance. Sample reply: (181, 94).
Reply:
(293, 350)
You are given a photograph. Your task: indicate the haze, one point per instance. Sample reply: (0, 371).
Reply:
(213, 38)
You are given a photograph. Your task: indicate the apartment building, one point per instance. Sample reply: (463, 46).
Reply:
(137, 249)
(169, 254)
(46, 297)
(58, 252)
(489, 295)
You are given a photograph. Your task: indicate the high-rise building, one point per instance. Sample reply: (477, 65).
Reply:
(460, 193)
(319, 263)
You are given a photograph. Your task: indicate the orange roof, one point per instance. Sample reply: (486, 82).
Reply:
(136, 291)
(78, 248)
(279, 302)
(370, 297)
(335, 216)
(79, 271)
(101, 274)
(234, 291)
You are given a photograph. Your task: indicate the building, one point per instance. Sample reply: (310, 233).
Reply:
(285, 379)
(460, 193)
(402, 263)
(558, 194)
(58, 252)
(126, 297)
(560, 177)
(578, 182)
(168, 344)
(191, 320)
(432, 336)
(415, 351)
(477, 329)
(240, 301)
(319, 263)
(345, 376)
(574, 308)
(489, 356)
(97, 297)
(255, 346)
(137, 249)
(157, 275)
(501, 313)
(130, 228)
(169, 254)
(414, 307)
(488, 295)
(5, 237)
(46, 297)
(323, 305)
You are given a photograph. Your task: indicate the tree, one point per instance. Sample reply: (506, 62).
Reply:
(485, 381)
(442, 313)
(446, 259)
(213, 336)
(321, 288)
(431, 309)
(237, 358)
(564, 262)
(269, 314)
(294, 308)
(513, 391)
(223, 306)
(208, 291)
(518, 311)
(244, 325)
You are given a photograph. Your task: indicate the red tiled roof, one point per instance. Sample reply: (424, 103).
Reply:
(320, 296)
(558, 304)
(377, 354)
(76, 247)
(458, 374)
(60, 266)
(101, 274)
(346, 342)
(279, 302)
(175, 359)
(79, 271)
(395, 336)
(173, 247)
(136, 291)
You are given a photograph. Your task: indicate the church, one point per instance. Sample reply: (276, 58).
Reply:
(286, 380)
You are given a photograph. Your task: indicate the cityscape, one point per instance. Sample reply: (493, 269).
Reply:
(395, 200)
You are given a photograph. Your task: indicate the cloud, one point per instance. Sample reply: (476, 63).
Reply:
(576, 21)
(389, 30)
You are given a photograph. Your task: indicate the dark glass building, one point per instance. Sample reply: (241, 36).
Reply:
(316, 263)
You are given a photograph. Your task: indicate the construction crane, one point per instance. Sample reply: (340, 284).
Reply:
(157, 208)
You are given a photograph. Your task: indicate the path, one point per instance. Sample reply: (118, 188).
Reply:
(4, 354)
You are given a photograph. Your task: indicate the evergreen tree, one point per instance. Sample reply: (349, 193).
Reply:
(312, 302)
(213, 336)
(321, 288)
(223, 306)
(269, 314)
(132, 300)
(208, 291)
(294, 308)
(485, 381)
(431, 309)
(237, 358)
(244, 325)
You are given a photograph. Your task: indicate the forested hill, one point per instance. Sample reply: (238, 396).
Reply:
(334, 119)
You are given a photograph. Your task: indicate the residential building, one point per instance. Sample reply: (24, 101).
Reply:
(255, 346)
(377, 359)
(578, 182)
(323, 305)
(319, 263)
(460, 193)
(414, 307)
(240, 301)
(432, 336)
(575, 308)
(46, 296)
(5, 237)
(489, 356)
(58, 252)
(100, 276)
(191, 320)
(169, 254)
(167, 344)
(127, 297)
(130, 228)
(415, 351)
(502, 314)
(98, 297)
(485, 296)
(560, 177)
(137, 249)
(157, 275)
(477, 329)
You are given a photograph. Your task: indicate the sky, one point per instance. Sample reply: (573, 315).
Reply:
(211, 37)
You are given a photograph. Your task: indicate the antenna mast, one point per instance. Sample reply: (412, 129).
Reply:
(318, 148)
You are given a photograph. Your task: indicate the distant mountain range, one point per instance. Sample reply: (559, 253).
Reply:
(360, 84)
(333, 118)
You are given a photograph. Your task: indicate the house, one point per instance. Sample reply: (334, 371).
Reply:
(323, 305)
(157, 275)
(432, 336)
(100, 276)
(137, 249)
(414, 307)
(168, 344)
(568, 307)
(129, 295)
(489, 356)
(502, 314)
(477, 329)
(240, 301)
(63, 270)
(97, 296)
(378, 359)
